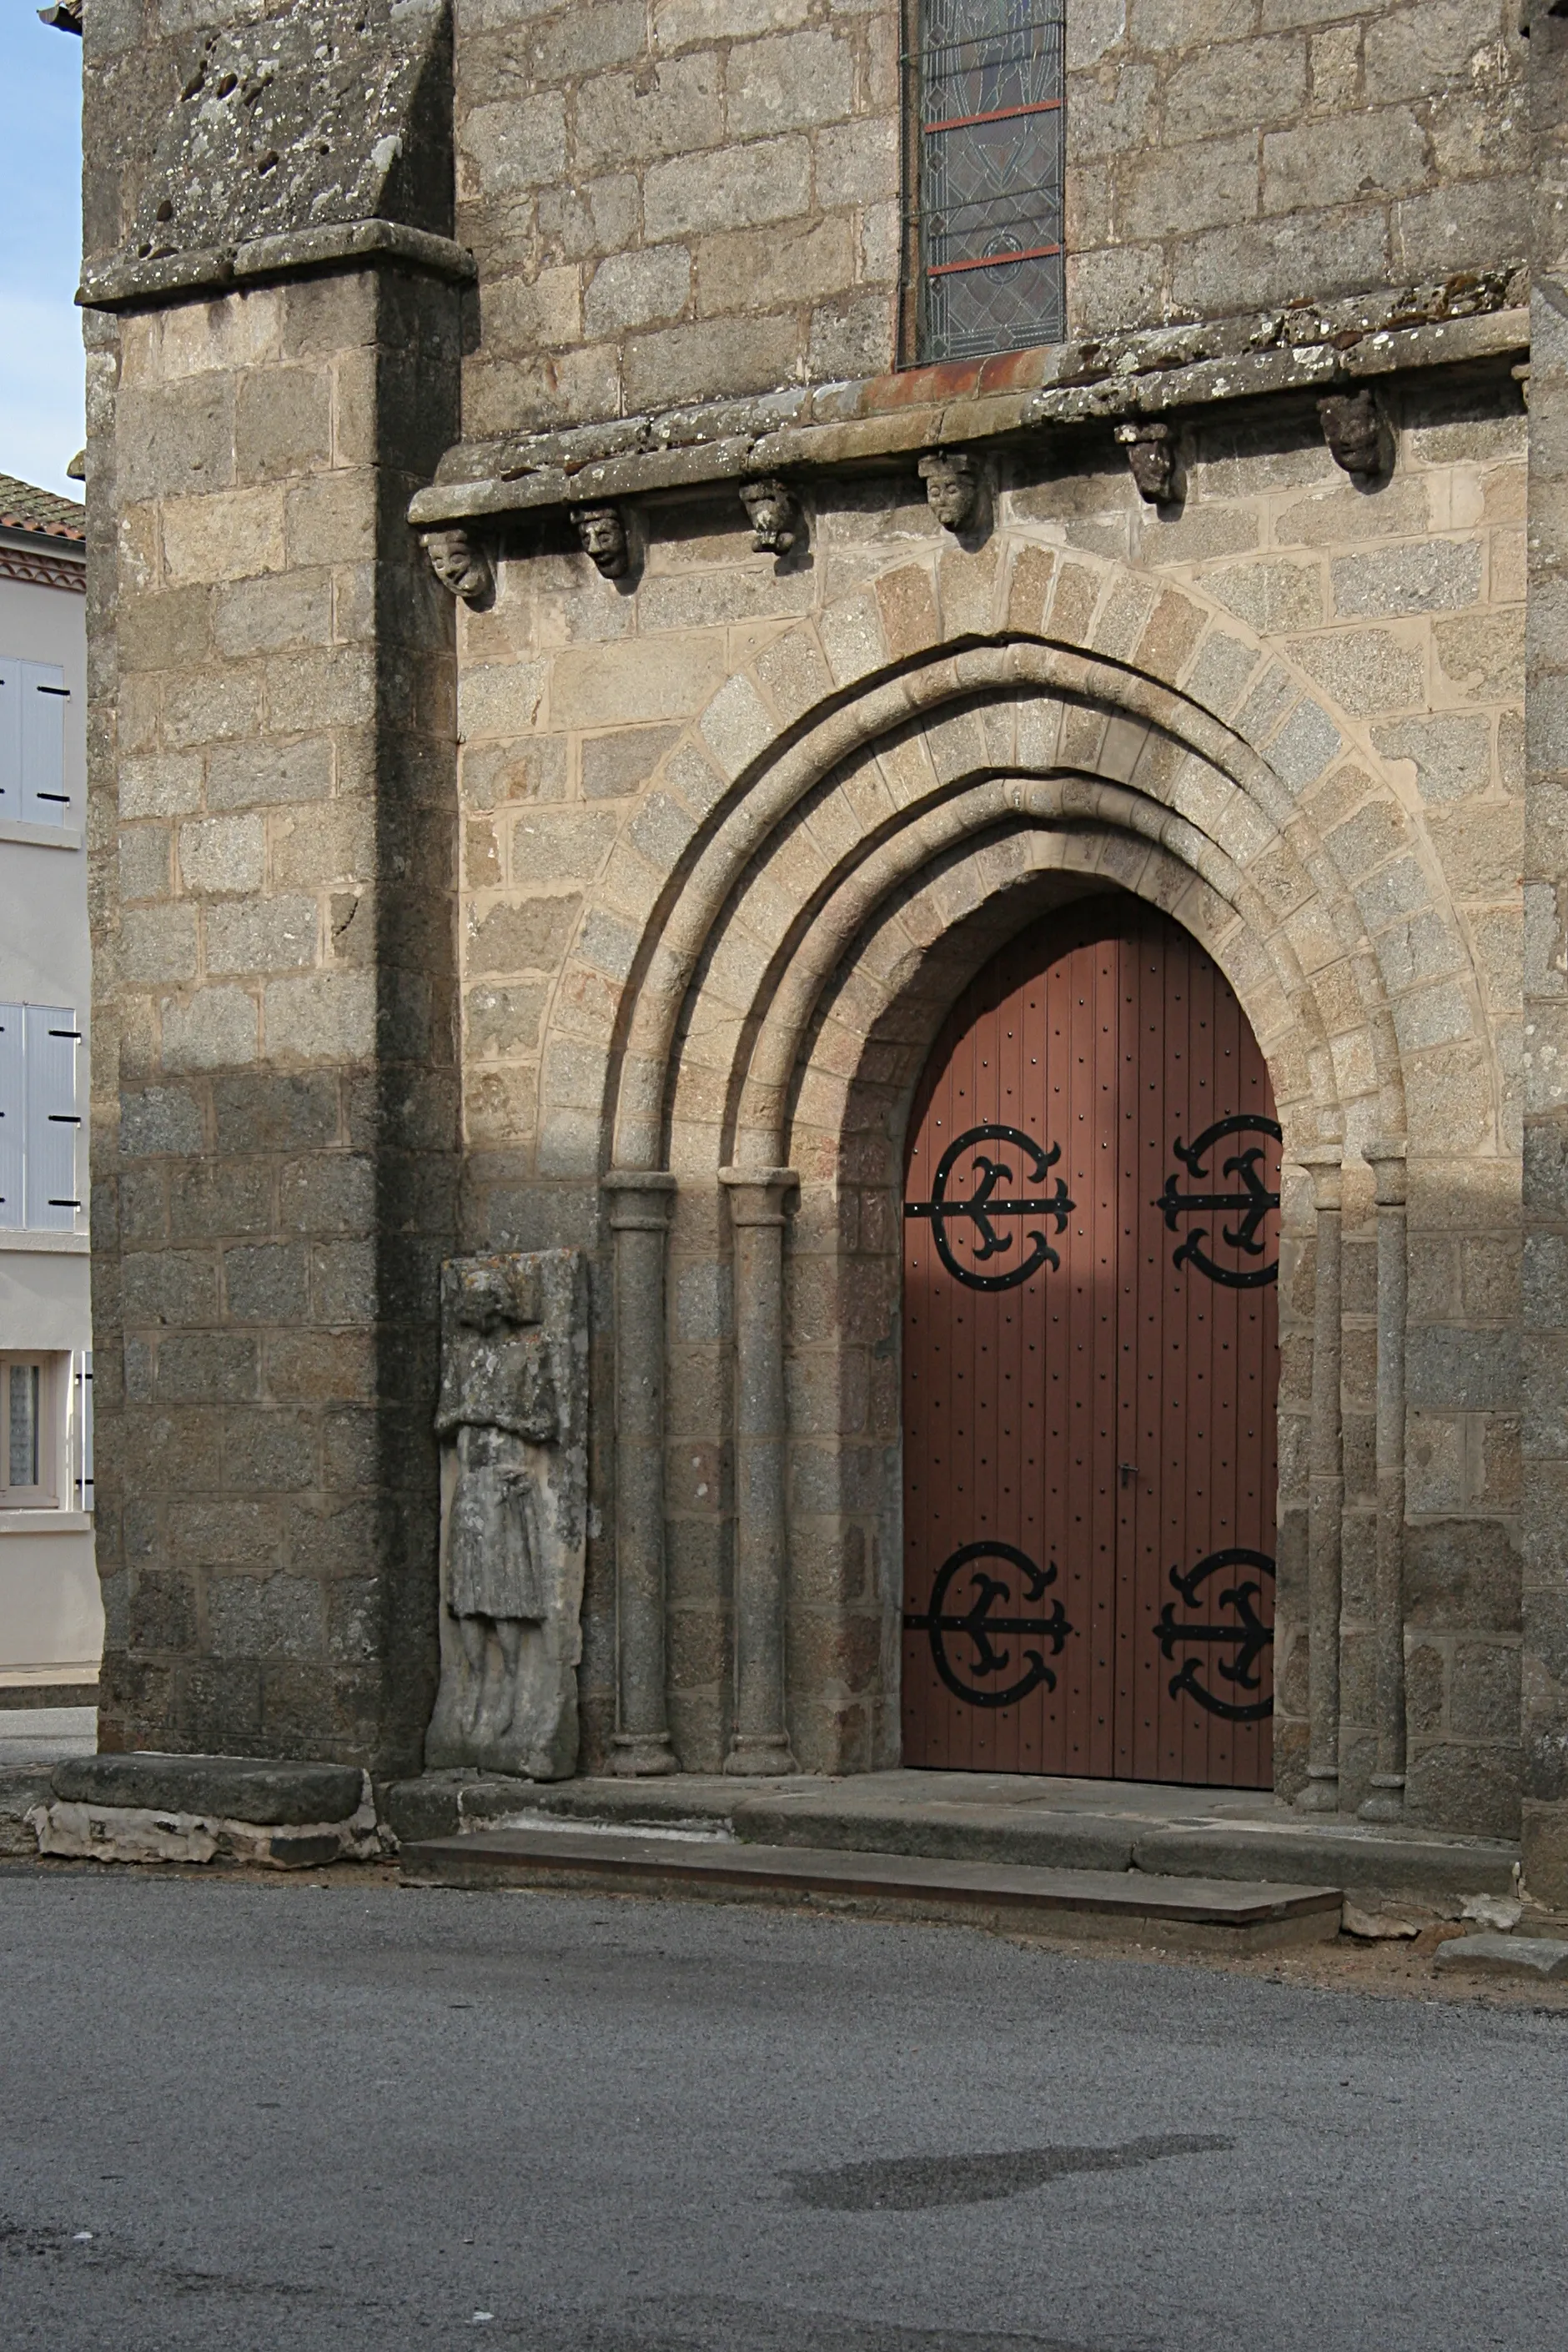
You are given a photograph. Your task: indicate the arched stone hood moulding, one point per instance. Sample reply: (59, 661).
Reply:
(1249, 764)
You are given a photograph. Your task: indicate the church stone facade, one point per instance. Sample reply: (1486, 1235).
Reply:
(578, 695)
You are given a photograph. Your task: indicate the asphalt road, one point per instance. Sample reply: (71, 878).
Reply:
(357, 2118)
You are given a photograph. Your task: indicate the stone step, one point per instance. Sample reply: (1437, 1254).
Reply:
(1133, 1905)
(1360, 1859)
(141, 1807)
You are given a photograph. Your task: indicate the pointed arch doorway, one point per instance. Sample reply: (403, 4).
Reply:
(1090, 1365)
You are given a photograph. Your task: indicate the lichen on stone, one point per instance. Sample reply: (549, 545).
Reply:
(337, 112)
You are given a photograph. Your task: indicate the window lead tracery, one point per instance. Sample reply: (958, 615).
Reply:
(983, 175)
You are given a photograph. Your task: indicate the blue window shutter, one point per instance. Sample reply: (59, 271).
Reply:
(53, 1120)
(45, 800)
(12, 1100)
(84, 1431)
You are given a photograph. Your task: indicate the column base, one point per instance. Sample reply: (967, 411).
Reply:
(639, 1755)
(757, 1757)
(1321, 1794)
(1386, 1802)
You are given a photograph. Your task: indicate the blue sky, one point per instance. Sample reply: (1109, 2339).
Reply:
(40, 250)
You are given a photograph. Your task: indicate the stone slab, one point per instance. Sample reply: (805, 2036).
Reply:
(259, 1791)
(1505, 1955)
(1431, 1866)
(1107, 1902)
(1006, 1833)
(1011, 1818)
(442, 1804)
(681, 1799)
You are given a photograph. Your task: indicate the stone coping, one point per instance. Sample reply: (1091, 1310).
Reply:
(127, 283)
(885, 421)
(259, 1791)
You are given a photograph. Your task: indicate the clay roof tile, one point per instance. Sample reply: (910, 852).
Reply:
(40, 512)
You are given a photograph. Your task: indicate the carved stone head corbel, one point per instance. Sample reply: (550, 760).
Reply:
(773, 514)
(953, 487)
(1354, 429)
(1151, 447)
(461, 564)
(602, 536)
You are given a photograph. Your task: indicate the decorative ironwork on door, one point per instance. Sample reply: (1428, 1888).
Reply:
(945, 1622)
(1086, 1401)
(1252, 1203)
(984, 1205)
(1247, 1638)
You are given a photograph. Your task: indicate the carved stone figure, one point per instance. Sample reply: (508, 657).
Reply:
(1352, 428)
(953, 487)
(601, 535)
(1150, 448)
(461, 564)
(773, 514)
(512, 1415)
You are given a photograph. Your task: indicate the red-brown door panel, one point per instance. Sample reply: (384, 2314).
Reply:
(1091, 1367)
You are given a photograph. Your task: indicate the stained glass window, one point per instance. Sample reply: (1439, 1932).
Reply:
(982, 244)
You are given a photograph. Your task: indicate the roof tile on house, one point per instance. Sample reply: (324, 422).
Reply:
(23, 507)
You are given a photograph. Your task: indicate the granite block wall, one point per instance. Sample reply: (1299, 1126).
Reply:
(275, 1135)
(1400, 611)
(688, 201)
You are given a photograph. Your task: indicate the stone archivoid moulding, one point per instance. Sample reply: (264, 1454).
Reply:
(513, 1422)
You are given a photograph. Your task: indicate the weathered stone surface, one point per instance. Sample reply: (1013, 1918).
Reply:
(1504, 1955)
(513, 1417)
(445, 1803)
(22, 1787)
(1349, 1857)
(665, 847)
(258, 1789)
(328, 115)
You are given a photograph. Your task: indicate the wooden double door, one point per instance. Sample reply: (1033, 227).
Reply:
(1091, 1367)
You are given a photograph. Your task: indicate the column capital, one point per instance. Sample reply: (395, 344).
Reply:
(640, 1199)
(1324, 1164)
(1385, 1156)
(757, 1195)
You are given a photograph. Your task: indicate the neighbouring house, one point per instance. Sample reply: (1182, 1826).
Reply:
(51, 1618)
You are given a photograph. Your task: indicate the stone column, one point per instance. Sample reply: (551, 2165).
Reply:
(1386, 1157)
(639, 1218)
(761, 1742)
(1325, 1495)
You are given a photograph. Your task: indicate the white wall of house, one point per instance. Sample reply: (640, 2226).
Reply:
(51, 1620)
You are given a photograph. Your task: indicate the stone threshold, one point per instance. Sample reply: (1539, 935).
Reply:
(1202, 1914)
(1005, 1820)
(885, 421)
